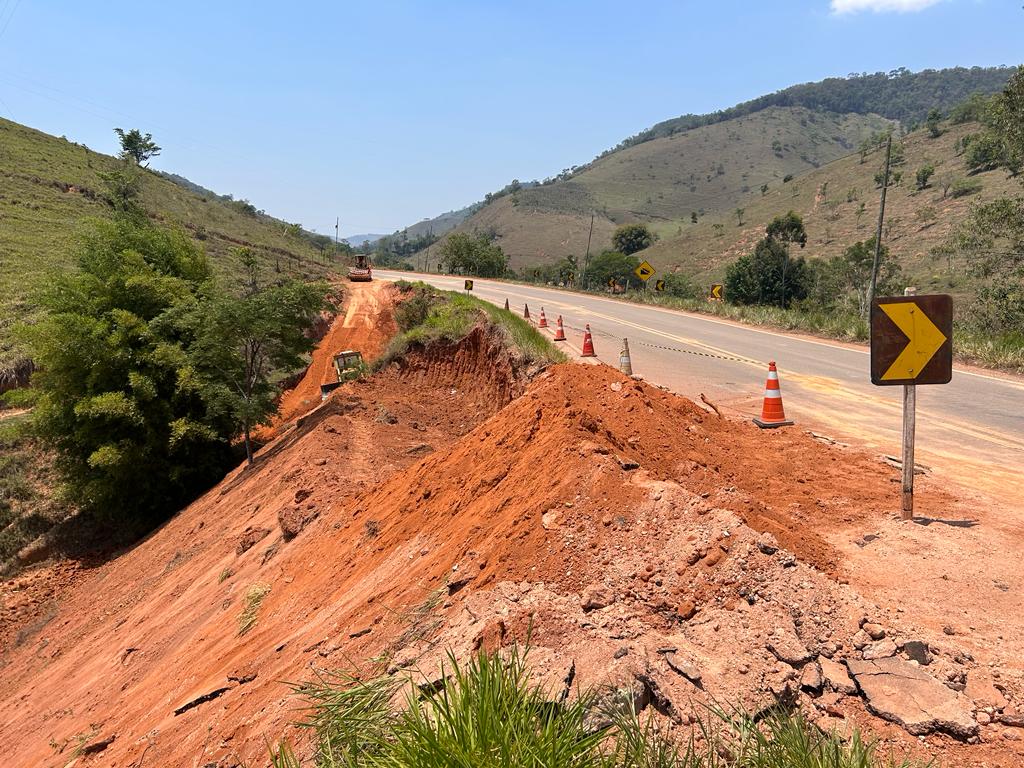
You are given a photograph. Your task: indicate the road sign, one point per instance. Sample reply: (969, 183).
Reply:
(659, 285)
(611, 282)
(469, 285)
(716, 292)
(645, 271)
(912, 340)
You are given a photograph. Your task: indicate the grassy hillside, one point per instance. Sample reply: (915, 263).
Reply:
(665, 180)
(50, 187)
(839, 205)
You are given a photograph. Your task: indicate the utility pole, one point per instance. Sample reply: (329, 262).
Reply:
(586, 259)
(878, 231)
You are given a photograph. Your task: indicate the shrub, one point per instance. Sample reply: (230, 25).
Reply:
(965, 187)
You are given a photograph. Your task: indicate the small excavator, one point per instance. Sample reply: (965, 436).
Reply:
(361, 272)
(348, 365)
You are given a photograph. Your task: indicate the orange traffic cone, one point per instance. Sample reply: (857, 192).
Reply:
(543, 320)
(588, 344)
(772, 413)
(526, 311)
(506, 303)
(559, 330)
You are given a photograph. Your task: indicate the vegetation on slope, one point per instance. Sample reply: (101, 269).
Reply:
(426, 314)
(488, 713)
(898, 95)
(49, 187)
(147, 369)
(666, 182)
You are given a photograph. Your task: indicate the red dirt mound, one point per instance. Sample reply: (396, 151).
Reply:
(413, 512)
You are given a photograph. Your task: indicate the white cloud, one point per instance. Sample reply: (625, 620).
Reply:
(881, 6)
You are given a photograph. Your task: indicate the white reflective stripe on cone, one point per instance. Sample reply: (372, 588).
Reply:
(773, 393)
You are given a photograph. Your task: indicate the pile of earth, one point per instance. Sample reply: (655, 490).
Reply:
(643, 543)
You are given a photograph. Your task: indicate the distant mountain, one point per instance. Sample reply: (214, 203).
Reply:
(357, 240)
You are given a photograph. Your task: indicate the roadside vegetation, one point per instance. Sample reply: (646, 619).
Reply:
(149, 369)
(486, 713)
(425, 314)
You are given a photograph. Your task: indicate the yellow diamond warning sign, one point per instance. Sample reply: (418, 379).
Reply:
(645, 271)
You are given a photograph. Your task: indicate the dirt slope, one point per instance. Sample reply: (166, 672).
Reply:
(430, 507)
(365, 325)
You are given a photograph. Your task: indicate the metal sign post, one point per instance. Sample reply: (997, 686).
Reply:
(911, 344)
(909, 426)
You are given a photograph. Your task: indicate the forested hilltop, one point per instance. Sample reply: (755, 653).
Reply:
(898, 95)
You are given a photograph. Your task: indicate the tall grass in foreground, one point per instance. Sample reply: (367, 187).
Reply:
(487, 714)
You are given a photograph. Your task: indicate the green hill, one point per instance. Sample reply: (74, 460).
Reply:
(665, 180)
(839, 205)
(710, 164)
(50, 187)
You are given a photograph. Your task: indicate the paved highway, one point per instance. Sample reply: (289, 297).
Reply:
(971, 430)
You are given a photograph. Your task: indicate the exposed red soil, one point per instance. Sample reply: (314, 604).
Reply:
(365, 325)
(438, 476)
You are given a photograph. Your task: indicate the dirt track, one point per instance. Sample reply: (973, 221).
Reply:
(430, 479)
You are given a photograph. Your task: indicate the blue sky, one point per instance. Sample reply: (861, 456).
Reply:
(387, 112)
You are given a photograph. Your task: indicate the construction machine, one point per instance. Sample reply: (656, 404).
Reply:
(361, 272)
(348, 365)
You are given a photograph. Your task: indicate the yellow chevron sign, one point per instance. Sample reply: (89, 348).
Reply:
(911, 340)
(716, 292)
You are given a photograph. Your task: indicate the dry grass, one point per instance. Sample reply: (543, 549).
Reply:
(254, 597)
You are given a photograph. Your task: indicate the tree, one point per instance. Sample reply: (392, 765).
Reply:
(134, 439)
(630, 238)
(767, 276)
(463, 254)
(855, 267)
(764, 190)
(123, 185)
(932, 122)
(1007, 118)
(787, 229)
(985, 152)
(136, 146)
(991, 241)
(612, 265)
(241, 340)
(693, 217)
(739, 216)
(924, 173)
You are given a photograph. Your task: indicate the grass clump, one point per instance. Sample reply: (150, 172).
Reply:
(487, 714)
(426, 314)
(254, 597)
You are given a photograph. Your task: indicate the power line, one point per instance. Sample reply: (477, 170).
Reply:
(11, 16)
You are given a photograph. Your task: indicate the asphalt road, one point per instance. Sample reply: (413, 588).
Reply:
(970, 430)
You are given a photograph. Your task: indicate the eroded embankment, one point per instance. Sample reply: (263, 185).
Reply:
(643, 541)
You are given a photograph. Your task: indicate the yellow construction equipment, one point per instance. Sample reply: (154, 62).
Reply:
(348, 365)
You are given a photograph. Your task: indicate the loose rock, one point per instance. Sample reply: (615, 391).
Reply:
(903, 693)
